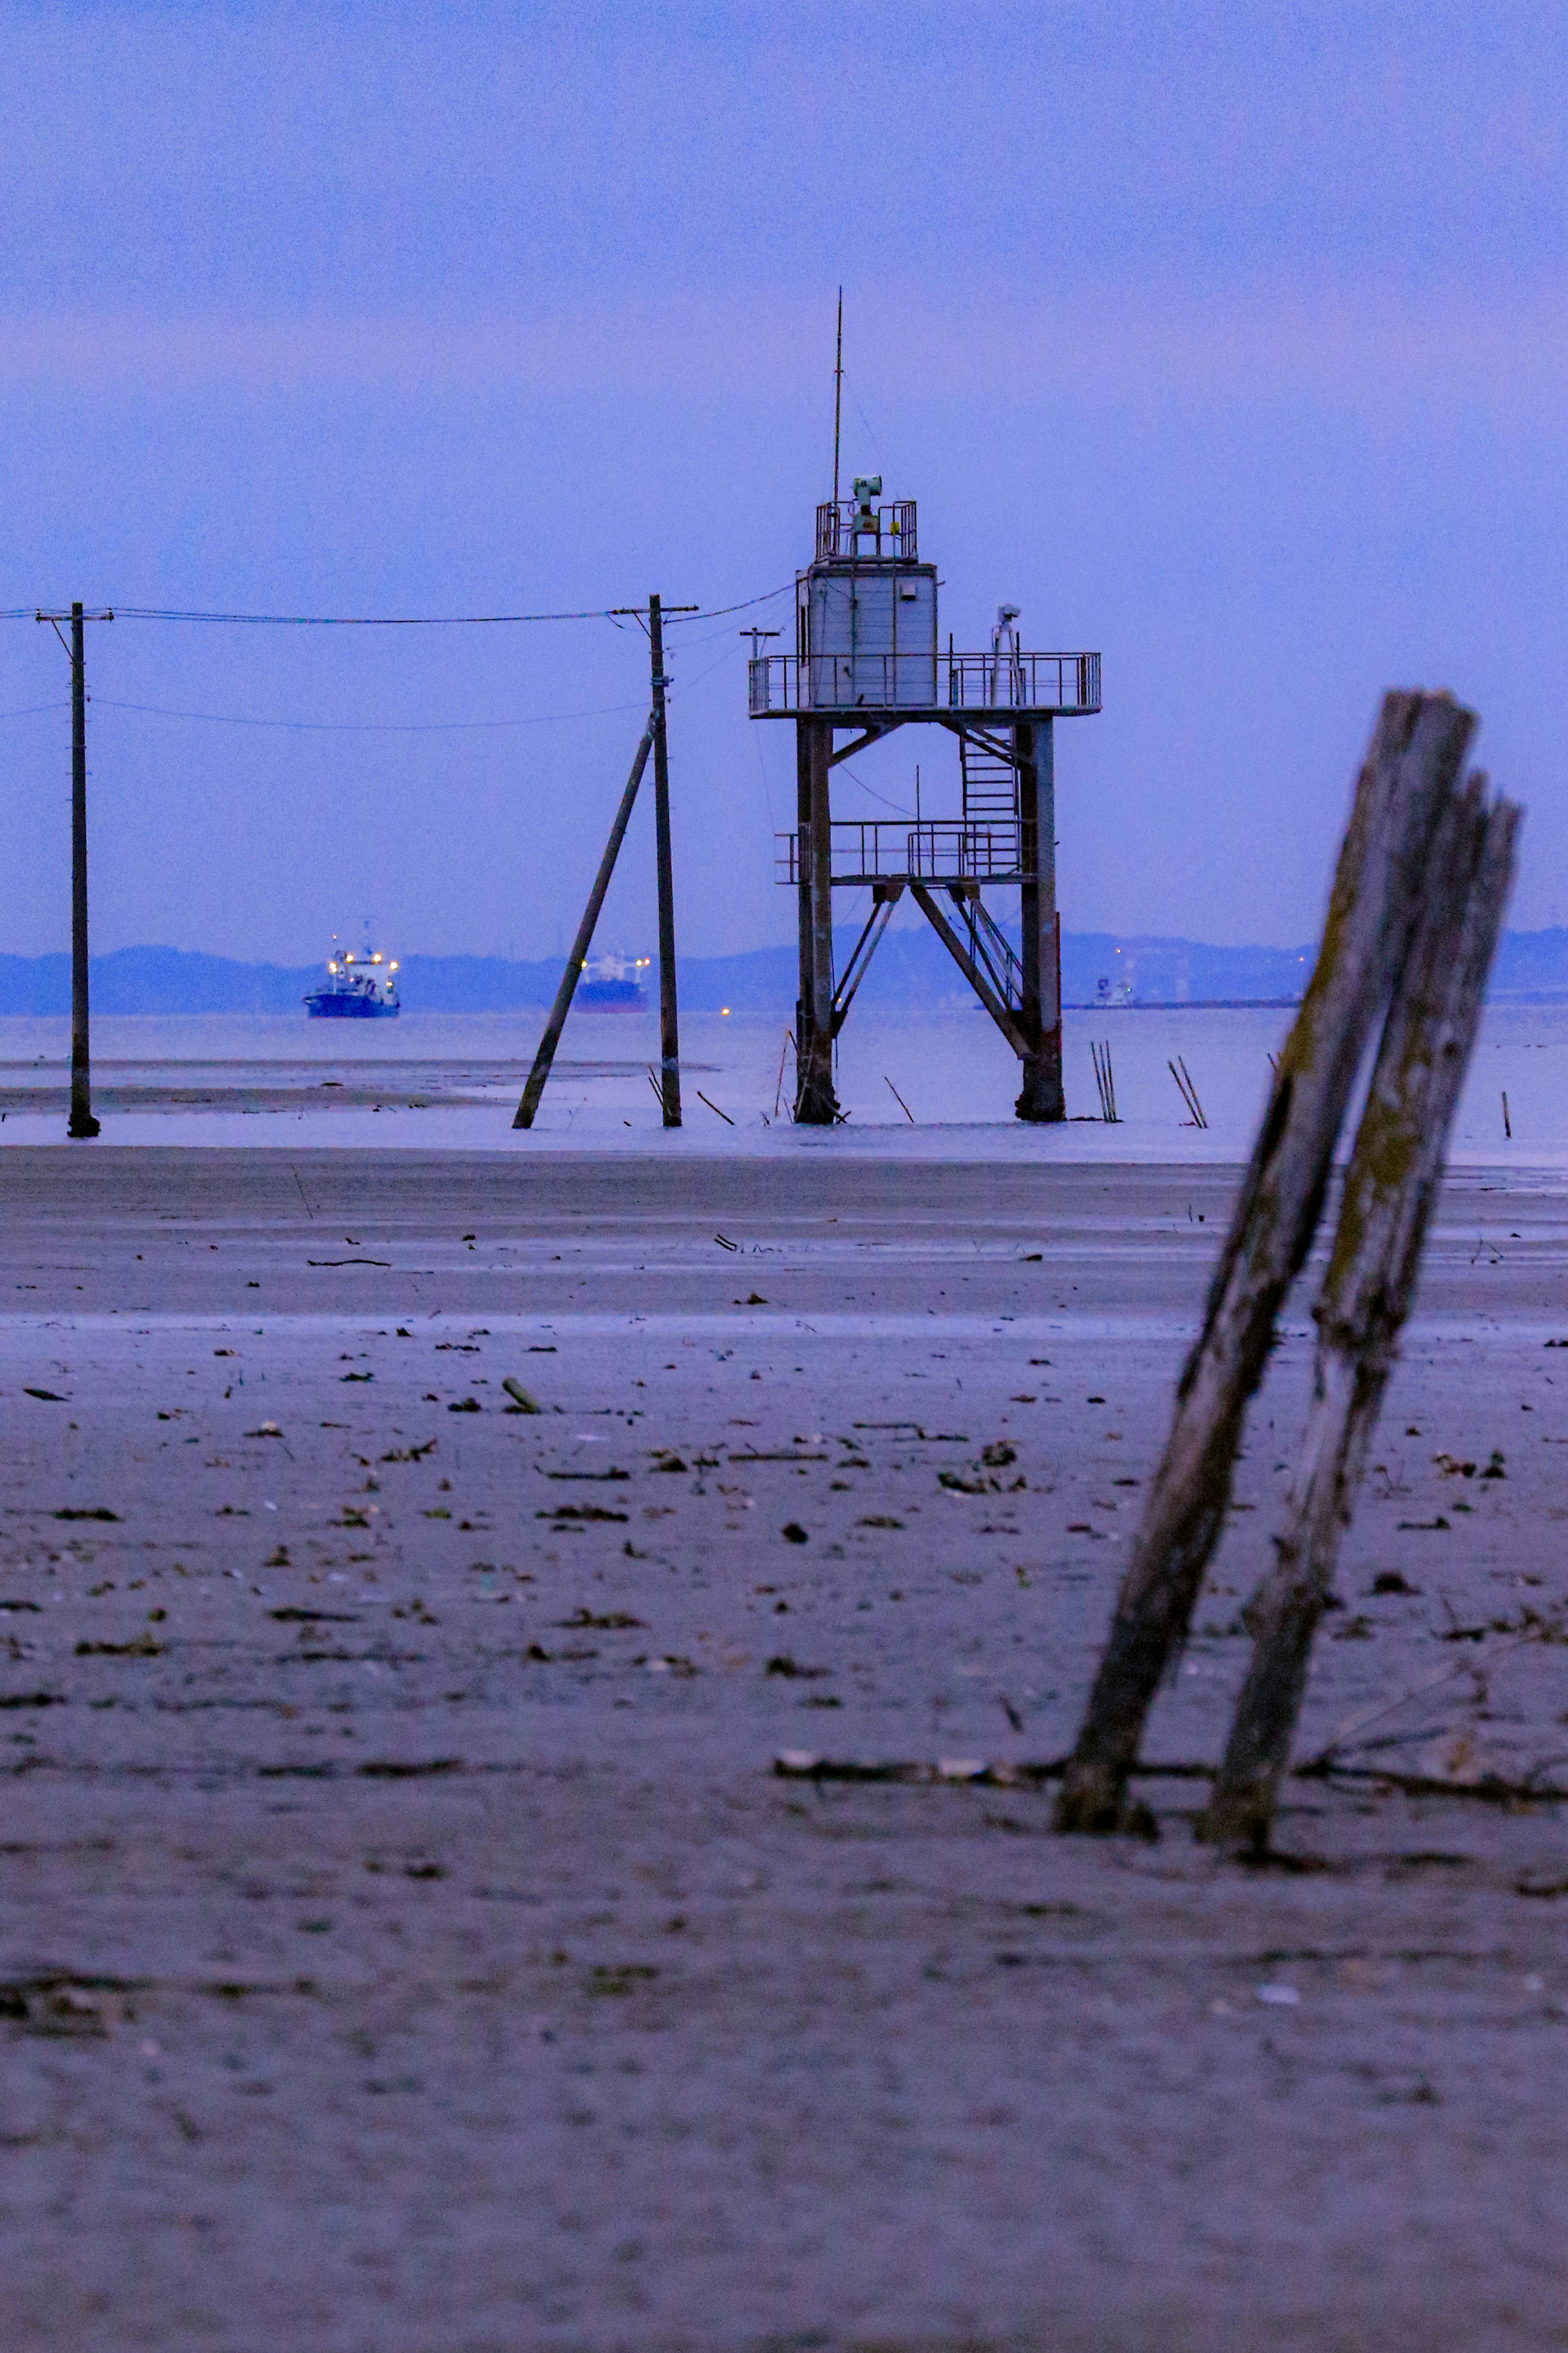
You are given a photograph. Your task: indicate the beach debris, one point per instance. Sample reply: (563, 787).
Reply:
(47, 1396)
(87, 1512)
(523, 1401)
(1395, 1169)
(265, 1429)
(725, 1243)
(582, 1511)
(1407, 783)
(1278, 1997)
(793, 1533)
(781, 1663)
(465, 1405)
(1189, 1094)
(141, 1646)
(810, 1764)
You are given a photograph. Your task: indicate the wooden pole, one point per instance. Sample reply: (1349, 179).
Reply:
(1418, 751)
(1393, 1182)
(668, 1020)
(82, 1125)
(548, 1043)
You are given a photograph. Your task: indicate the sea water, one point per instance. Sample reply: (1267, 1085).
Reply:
(940, 1082)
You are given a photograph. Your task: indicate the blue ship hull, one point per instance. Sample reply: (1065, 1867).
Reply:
(610, 992)
(331, 1005)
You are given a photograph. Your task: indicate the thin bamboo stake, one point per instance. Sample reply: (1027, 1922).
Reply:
(784, 1050)
(1416, 753)
(1187, 1091)
(1392, 1184)
(1198, 1113)
(1105, 1080)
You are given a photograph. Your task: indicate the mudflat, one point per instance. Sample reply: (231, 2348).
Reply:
(411, 1567)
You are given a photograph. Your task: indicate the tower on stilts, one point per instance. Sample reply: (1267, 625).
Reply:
(867, 659)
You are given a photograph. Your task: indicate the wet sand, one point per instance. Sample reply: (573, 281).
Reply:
(406, 1941)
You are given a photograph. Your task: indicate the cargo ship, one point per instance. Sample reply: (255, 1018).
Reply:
(358, 987)
(611, 980)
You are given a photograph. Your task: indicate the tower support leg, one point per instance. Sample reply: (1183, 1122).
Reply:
(815, 1104)
(1041, 1098)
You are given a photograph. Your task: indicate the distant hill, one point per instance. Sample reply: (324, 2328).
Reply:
(910, 967)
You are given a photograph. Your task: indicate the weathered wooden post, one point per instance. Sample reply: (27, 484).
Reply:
(1394, 1172)
(1412, 769)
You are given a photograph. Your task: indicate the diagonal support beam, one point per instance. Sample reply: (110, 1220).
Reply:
(584, 939)
(1001, 746)
(855, 971)
(872, 735)
(978, 981)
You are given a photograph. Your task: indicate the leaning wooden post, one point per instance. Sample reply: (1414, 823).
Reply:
(1395, 1173)
(1416, 753)
(545, 1055)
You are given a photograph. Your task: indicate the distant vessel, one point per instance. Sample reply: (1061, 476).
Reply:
(613, 980)
(361, 987)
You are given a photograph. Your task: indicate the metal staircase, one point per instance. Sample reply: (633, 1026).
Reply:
(990, 780)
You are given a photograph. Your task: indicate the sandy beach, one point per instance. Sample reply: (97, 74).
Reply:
(408, 1938)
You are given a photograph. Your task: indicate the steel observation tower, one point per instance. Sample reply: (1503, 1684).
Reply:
(867, 659)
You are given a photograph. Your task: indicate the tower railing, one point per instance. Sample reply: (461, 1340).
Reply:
(849, 528)
(936, 850)
(789, 685)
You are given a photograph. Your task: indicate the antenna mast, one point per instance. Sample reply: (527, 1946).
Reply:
(837, 394)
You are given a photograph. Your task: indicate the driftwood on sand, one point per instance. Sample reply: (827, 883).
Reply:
(1407, 784)
(1393, 1180)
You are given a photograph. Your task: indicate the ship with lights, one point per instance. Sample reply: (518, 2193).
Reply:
(359, 986)
(613, 980)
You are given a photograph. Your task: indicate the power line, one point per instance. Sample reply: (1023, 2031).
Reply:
(388, 620)
(717, 612)
(29, 708)
(355, 621)
(378, 726)
(363, 726)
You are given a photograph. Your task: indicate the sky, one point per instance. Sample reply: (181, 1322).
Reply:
(1228, 341)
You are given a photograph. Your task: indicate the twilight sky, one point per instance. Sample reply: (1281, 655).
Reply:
(1230, 340)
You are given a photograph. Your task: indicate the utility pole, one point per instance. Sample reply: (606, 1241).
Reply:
(82, 1126)
(669, 1023)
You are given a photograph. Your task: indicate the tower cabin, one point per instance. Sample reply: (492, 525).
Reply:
(867, 659)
